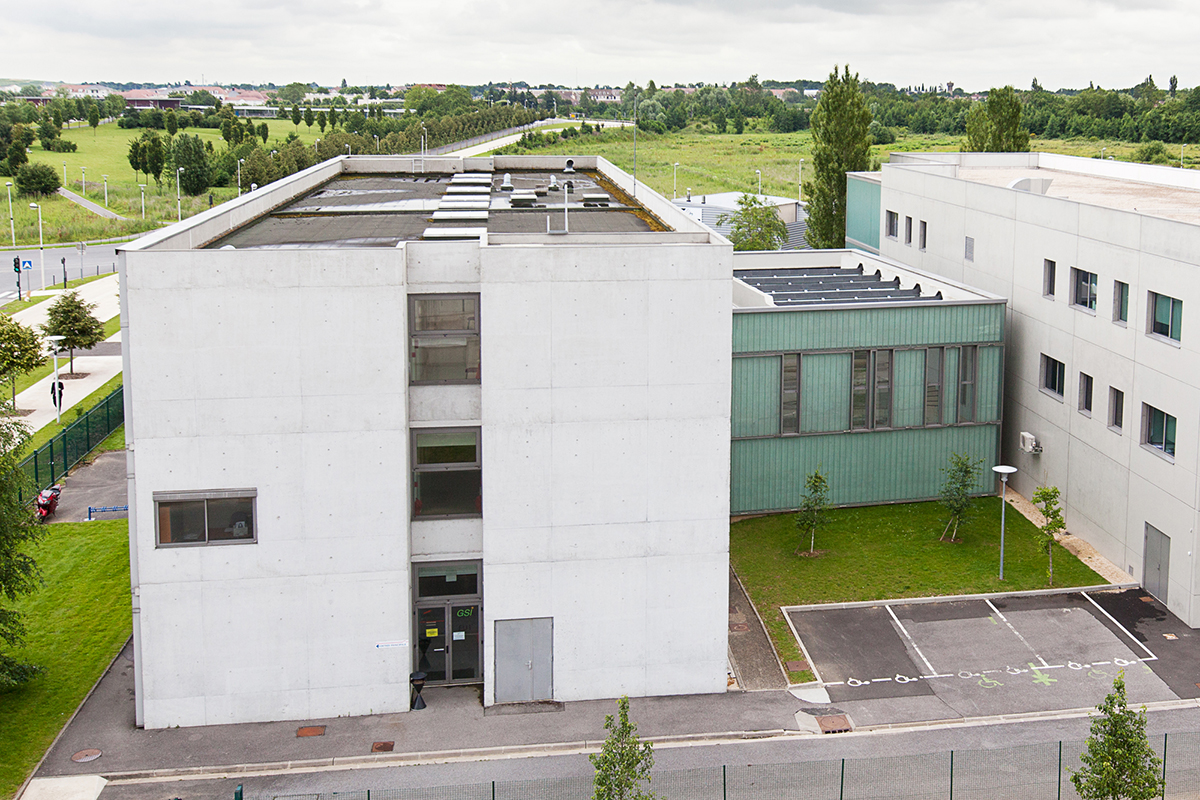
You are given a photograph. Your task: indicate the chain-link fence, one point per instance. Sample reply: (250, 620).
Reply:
(52, 460)
(1028, 772)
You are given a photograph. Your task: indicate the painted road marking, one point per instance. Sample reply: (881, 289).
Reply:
(1004, 619)
(903, 630)
(1122, 627)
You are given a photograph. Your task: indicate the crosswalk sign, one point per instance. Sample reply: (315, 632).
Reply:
(26, 265)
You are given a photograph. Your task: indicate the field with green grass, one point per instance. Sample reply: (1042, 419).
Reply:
(889, 551)
(77, 623)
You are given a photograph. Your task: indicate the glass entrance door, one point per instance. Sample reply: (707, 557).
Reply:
(431, 643)
(464, 643)
(447, 620)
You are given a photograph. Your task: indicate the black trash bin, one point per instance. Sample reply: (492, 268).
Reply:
(417, 679)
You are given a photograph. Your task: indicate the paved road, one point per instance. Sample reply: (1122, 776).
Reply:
(97, 259)
(95, 208)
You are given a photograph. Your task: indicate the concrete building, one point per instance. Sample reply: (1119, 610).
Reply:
(389, 415)
(1102, 388)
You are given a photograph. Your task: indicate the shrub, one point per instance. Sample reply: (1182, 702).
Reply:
(37, 179)
(1152, 153)
(62, 146)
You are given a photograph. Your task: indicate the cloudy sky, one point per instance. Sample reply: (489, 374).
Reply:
(1064, 43)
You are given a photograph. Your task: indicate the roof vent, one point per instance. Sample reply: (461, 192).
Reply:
(507, 185)
(570, 166)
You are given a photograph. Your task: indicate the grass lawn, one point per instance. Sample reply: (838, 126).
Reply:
(889, 551)
(45, 370)
(76, 624)
(72, 414)
(20, 305)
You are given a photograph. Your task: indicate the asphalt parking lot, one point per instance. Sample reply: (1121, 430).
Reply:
(913, 661)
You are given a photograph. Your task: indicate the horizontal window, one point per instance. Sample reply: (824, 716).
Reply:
(447, 473)
(194, 518)
(1166, 315)
(1054, 375)
(444, 335)
(1158, 429)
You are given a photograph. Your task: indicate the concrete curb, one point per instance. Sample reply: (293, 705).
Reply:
(950, 598)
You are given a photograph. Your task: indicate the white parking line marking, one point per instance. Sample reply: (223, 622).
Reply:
(1122, 627)
(932, 671)
(1004, 619)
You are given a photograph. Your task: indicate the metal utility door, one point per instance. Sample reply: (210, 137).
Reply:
(524, 660)
(1156, 562)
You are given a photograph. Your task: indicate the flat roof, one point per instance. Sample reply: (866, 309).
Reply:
(806, 286)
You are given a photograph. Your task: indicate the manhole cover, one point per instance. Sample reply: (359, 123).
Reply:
(738, 626)
(84, 756)
(383, 747)
(834, 724)
(796, 666)
(310, 730)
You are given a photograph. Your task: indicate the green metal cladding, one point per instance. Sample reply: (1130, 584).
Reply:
(862, 212)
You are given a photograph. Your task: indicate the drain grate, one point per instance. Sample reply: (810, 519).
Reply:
(383, 747)
(837, 723)
(310, 730)
(796, 666)
(736, 627)
(84, 756)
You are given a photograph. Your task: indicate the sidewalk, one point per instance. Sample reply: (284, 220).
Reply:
(95, 208)
(105, 293)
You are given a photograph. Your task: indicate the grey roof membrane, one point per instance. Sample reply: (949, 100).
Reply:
(384, 210)
(814, 286)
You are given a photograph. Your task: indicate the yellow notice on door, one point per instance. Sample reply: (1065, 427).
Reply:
(431, 633)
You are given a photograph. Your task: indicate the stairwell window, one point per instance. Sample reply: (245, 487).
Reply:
(1158, 430)
(1085, 393)
(908, 231)
(924, 235)
(1120, 302)
(1116, 409)
(892, 229)
(447, 473)
(1049, 268)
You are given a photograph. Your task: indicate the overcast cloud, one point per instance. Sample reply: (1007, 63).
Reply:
(605, 42)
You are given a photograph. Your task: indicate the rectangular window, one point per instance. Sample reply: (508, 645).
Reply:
(1120, 301)
(1049, 268)
(871, 389)
(1116, 409)
(1083, 288)
(924, 235)
(893, 224)
(966, 383)
(1054, 375)
(969, 249)
(444, 332)
(447, 473)
(1085, 393)
(933, 386)
(1166, 315)
(1158, 430)
(205, 517)
(908, 230)
(790, 400)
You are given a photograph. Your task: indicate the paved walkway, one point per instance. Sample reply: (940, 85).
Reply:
(89, 205)
(496, 144)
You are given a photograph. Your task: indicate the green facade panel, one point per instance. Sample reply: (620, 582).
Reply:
(868, 467)
(908, 392)
(991, 370)
(862, 212)
(825, 392)
(755, 407)
(845, 328)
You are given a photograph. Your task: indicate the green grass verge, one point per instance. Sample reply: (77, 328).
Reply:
(69, 417)
(889, 551)
(21, 305)
(114, 442)
(76, 624)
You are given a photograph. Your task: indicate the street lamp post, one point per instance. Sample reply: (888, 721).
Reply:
(675, 186)
(83, 182)
(240, 160)
(41, 242)
(178, 199)
(54, 390)
(348, 151)
(758, 172)
(12, 226)
(315, 150)
(143, 187)
(377, 143)
(1181, 155)
(105, 190)
(1003, 472)
(64, 174)
(800, 192)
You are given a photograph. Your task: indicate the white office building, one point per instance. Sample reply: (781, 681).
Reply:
(1100, 261)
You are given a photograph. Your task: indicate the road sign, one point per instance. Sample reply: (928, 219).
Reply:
(26, 265)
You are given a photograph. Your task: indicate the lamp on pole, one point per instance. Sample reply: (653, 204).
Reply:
(1003, 472)
(105, 190)
(1181, 155)
(377, 143)
(83, 182)
(178, 199)
(41, 242)
(240, 161)
(12, 226)
(64, 174)
(800, 193)
(55, 392)
(758, 172)
(348, 151)
(315, 150)
(143, 187)
(675, 187)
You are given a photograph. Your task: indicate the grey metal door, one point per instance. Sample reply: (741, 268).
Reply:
(1156, 562)
(524, 660)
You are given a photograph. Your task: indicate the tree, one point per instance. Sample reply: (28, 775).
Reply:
(321, 121)
(961, 475)
(188, 152)
(756, 225)
(624, 761)
(135, 156)
(1118, 762)
(994, 126)
(333, 117)
(264, 131)
(37, 179)
(172, 122)
(296, 116)
(841, 144)
(1047, 498)
(19, 574)
(21, 350)
(309, 119)
(814, 508)
(93, 118)
(71, 318)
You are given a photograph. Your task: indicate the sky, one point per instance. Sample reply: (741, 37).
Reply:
(976, 45)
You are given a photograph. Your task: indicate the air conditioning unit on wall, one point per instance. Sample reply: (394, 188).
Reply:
(1029, 443)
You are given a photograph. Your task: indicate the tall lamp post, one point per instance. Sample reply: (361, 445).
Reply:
(758, 172)
(178, 199)
(1003, 472)
(105, 190)
(54, 340)
(64, 174)
(83, 181)
(240, 160)
(41, 242)
(12, 226)
(348, 151)
(800, 192)
(675, 187)
(143, 187)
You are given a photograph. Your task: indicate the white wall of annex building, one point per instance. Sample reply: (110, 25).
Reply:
(273, 371)
(1112, 484)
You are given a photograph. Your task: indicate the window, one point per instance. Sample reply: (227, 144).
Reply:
(444, 331)
(969, 249)
(1048, 270)
(1120, 301)
(966, 383)
(871, 389)
(893, 224)
(1116, 409)
(1083, 288)
(1054, 376)
(447, 473)
(1158, 430)
(924, 235)
(205, 517)
(1085, 393)
(790, 399)
(908, 230)
(1166, 315)
(933, 386)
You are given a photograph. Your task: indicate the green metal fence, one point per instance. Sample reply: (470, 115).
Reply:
(52, 460)
(1027, 772)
